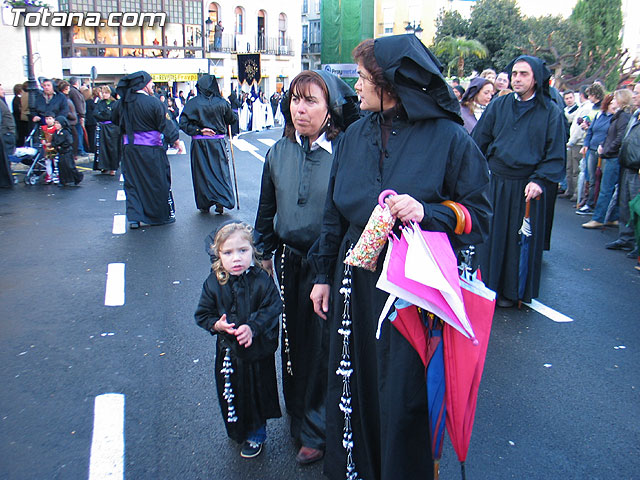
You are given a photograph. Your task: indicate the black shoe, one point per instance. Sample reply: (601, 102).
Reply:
(219, 209)
(134, 225)
(250, 449)
(619, 245)
(633, 253)
(505, 302)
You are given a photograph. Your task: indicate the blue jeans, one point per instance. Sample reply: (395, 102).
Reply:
(592, 164)
(81, 149)
(259, 435)
(607, 186)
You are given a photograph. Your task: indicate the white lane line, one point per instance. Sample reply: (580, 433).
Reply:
(243, 145)
(114, 294)
(107, 444)
(259, 157)
(121, 178)
(549, 312)
(121, 196)
(119, 224)
(267, 141)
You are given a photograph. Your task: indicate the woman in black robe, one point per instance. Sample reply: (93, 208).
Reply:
(205, 118)
(413, 142)
(144, 123)
(292, 195)
(62, 141)
(108, 139)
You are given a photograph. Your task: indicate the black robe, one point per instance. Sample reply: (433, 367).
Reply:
(252, 299)
(6, 178)
(108, 140)
(523, 142)
(209, 161)
(289, 218)
(146, 169)
(62, 141)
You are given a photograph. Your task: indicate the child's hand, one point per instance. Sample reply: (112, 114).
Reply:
(244, 336)
(222, 326)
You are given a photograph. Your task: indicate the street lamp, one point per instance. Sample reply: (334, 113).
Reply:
(208, 23)
(414, 28)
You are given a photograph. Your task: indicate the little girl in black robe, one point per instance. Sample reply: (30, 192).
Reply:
(241, 306)
(62, 141)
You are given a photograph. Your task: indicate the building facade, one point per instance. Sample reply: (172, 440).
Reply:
(311, 34)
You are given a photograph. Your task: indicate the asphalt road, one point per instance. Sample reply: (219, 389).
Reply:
(557, 400)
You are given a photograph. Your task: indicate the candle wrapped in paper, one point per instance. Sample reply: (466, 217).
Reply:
(365, 253)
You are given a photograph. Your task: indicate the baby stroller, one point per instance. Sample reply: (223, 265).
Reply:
(33, 156)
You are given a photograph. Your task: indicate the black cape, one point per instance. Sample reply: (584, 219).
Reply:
(430, 156)
(252, 299)
(6, 178)
(209, 160)
(146, 169)
(108, 138)
(522, 142)
(62, 141)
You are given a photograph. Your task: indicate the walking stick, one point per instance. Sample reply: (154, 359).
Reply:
(233, 163)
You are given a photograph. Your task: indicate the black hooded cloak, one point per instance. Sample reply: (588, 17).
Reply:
(292, 196)
(522, 142)
(252, 299)
(430, 156)
(62, 141)
(108, 138)
(6, 178)
(146, 169)
(209, 160)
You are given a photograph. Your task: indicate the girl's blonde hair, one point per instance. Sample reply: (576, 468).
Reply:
(222, 236)
(623, 98)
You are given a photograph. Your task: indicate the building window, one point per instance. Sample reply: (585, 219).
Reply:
(239, 20)
(305, 33)
(387, 16)
(282, 29)
(305, 6)
(314, 32)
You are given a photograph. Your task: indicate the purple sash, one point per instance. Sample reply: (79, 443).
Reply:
(206, 137)
(151, 138)
(106, 123)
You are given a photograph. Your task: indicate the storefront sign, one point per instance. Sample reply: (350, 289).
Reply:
(174, 77)
(344, 70)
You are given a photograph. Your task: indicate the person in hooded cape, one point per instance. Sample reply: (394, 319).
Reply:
(319, 106)
(108, 138)
(62, 141)
(413, 142)
(236, 106)
(205, 118)
(250, 298)
(524, 143)
(143, 122)
(6, 178)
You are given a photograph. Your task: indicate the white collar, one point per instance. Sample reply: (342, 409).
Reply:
(530, 98)
(143, 92)
(320, 142)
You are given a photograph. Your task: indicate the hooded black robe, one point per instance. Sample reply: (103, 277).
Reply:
(252, 299)
(209, 161)
(62, 141)
(108, 138)
(289, 218)
(6, 178)
(430, 156)
(146, 169)
(523, 142)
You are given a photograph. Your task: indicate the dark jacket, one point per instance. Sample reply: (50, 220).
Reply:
(62, 140)
(78, 102)
(207, 110)
(630, 149)
(57, 105)
(251, 299)
(617, 127)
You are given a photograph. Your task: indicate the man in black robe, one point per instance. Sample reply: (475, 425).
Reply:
(205, 118)
(143, 121)
(521, 136)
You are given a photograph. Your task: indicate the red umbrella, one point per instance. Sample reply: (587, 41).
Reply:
(464, 363)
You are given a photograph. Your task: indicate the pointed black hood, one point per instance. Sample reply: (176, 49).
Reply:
(62, 120)
(130, 84)
(540, 72)
(416, 75)
(208, 86)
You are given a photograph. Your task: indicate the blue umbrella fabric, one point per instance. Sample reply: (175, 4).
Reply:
(525, 239)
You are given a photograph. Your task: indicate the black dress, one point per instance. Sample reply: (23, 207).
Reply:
(108, 142)
(146, 168)
(62, 141)
(209, 160)
(377, 417)
(252, 299)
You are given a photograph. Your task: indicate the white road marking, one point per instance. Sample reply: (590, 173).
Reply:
(121, 196)
(259, 157)
(549, 312)
(114, 294)
(243, 145)
(267, 141)
(119, 224)
(121, 178)
(107, 444)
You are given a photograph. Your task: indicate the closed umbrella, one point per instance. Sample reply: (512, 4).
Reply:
(525, 233)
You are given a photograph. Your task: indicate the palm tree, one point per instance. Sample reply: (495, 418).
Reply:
(459, 48)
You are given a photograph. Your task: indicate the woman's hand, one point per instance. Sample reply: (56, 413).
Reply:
(583, 150)
(600, 150)
(222, 326)
(268, 266)
(208, 132)
(320, 298)
(244, 335)
(532, 190)
(405, 208)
